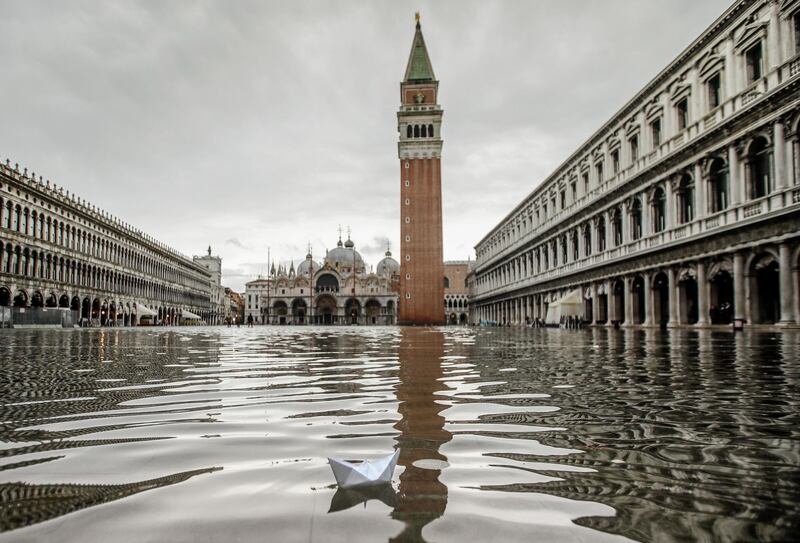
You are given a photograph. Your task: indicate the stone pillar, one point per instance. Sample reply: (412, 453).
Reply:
(609, 304)
(779, 155)
(671, 220)
(595, 304)
(734, 177)
(738, 287)
(702, 295)
(648, 302)
(701, 191)
(796, 294)
(609, 231)
(787, 292)
(628, 300)
(674, 319)
(647, 211)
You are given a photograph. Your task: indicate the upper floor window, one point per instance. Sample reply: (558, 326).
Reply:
(685, 195)
(796, 19)
(563, 196)
(615, 161)
(682, 113)
(655, 132)
(586, 183)
(759, 168)
(659, 210)
(754, 60)
(718, 184)
(634, 145)
(713, 87)
(446, 282)
(599, 169)
(573, 187)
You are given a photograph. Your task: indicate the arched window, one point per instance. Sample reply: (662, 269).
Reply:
(759, 168)
(408, 131)
(636, 219)
(9, 213)
(430, 130)
(575, 251)
(601, 234)
(685, 194)
(718, 184)
(616, 226)
(446, 282)
(659, 210)
(587, 239)
(424, 131)
(416, 130)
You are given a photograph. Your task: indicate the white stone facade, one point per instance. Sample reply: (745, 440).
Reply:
(60, 252)
(684, 208)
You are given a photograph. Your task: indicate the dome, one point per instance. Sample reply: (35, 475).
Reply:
(341, 258)
(305, 265)
(388, 266)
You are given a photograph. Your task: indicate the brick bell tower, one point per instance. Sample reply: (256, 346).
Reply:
(419, 123)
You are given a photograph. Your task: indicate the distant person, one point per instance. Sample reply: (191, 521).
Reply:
(249, 321)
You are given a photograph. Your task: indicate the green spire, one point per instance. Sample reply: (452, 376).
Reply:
(419, 63)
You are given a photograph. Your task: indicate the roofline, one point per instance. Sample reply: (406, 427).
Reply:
(705, 36)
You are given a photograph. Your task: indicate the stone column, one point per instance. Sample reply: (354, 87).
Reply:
(648, 302)
(787, 292)
(702, 295)
(609, 231)
(738, 286)
(796, 294)
(734, 177)
(671, 219)
(628, 300)
(779, 155)
(595, 305)
(646, 216)
(674, 319)
(609, 304)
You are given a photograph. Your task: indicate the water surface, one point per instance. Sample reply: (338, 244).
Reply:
(218, 434)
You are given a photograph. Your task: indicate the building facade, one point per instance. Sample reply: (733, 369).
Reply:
(60, 252)
(456, 291)
(219, 310)
(419, 124)
(683, 208)
(338, 290)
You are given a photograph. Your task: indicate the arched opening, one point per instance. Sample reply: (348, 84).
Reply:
(721, 297)
(588, 307)
(636, 219)
(765, 290)
(326, 309)
(687, 294)
(327, 283)
(424, 131)
(37, 300)
(718, 185)
(51, 301)
(661, 298)
(616, 226)
(352, 308)
(63, 301)
(280, 311)
(408, 131)
(638, 293)
(587, 240)
(104, 314)
(601, 234)
(95, 309)
(618, 300)
(21, 299)
(416, 130)
(75, 304)
(758, 168)
(659, 210)
(299, 311)
(86, 308)
(5, 297)
(372, 310)
(446, 282)
(602, 307)
(685, 195)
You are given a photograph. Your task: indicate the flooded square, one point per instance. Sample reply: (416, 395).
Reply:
(212, 434)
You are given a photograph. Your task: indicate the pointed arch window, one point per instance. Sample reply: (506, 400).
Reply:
(636, 219)
(409, 131)
(659, 210)
(759, 168)
(685, 194)
(718, 185)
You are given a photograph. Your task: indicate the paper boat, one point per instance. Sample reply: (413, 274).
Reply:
(368, 472)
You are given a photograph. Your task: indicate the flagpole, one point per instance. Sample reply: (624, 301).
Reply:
(269, 274)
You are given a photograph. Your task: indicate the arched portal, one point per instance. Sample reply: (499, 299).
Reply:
(95, 309)
(638, 305)
(280, 310)
(765, 290)
(37, 300)
(721, 297)
(5, 297)
(352, 309)
(21, 299)
(372, 309)
(618, 300)
(687, 294)
(52, 300)
(327, 282)
(63, 301)
(75, 304)
(661, 298)
(86, 309)
(299, 311)
(326, 309)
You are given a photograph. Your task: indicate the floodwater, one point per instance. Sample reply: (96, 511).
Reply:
(222, 434)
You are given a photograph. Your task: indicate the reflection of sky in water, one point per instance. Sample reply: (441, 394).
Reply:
(218, 434)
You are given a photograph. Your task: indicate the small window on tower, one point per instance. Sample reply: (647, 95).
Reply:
(408, 131)
(408, 183)
(408, 238)
(424, 131)
(408, 277)
(408, 220)
(408, 295)
(408, 258)
(430, 130)
(407, 166)
(408, 202)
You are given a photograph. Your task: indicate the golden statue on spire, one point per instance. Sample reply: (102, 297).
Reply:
(416, 16)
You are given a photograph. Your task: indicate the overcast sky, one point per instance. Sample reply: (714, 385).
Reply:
(247, 124)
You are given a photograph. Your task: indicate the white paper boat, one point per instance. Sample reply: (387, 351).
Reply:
(368, 472)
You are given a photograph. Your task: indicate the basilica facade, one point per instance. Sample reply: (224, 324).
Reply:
(682, 209)
(338, 290)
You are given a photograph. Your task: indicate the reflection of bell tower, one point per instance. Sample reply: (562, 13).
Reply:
(419, 122)
(421, 498)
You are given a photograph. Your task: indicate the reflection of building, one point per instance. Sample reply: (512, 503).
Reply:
(336, 291)
(59, 251)
(456, 293)
(234, 305)
(684, 208)
(422, 497)
(420, 147)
